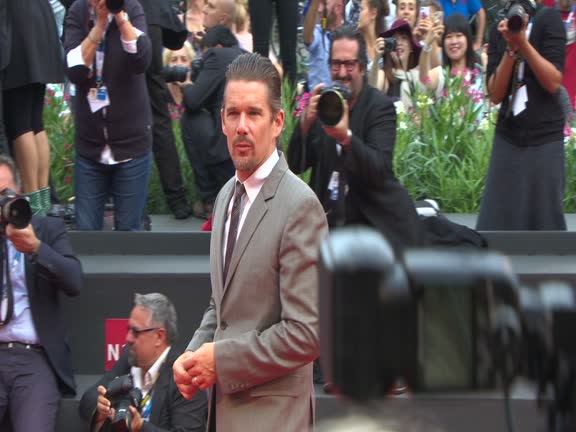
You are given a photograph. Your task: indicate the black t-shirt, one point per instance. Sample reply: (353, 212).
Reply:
(542, 121)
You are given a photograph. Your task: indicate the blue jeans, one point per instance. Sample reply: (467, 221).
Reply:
(126, 182)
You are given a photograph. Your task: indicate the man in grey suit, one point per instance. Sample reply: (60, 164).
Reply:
(259, 335)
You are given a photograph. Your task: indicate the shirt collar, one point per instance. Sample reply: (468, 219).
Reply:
(152, 374)
(254, 183)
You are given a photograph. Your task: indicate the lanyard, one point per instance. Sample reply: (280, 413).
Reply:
(569, 19)
(522, 64)
(146, 405)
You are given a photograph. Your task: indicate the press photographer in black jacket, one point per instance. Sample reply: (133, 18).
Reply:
(201, 126)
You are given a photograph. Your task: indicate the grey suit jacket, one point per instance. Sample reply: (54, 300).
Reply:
(264, 317)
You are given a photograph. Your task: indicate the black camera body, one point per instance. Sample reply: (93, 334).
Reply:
(179, 73)
(14, 209)
(122, 395)
(115, 6)
(331, 103)
(515, 11)
(390, 44)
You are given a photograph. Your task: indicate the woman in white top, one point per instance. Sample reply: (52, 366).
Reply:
(458, 56)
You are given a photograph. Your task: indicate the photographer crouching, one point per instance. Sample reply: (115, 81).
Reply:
(202, 135)
(525, 181)
(139, 393)
(347, 136)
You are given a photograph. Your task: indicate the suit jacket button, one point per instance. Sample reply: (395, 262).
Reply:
(223, 325)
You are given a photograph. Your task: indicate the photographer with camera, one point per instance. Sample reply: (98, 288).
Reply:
(397, 71)
(139, 393)
(525, 181)
(107, 55)
(202, 135)
(349, 144)
(38, 265)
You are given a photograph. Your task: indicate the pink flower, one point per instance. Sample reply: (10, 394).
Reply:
(444, 92)
(426, 80)
(475, 72)
(466, 83)
(50, 92)
(67, 179)
(67, 169)
(67, 146)
(567, 131)
(454, 71)
(47, 101)
(66, 97)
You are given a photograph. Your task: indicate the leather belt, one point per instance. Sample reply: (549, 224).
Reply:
(21, 345)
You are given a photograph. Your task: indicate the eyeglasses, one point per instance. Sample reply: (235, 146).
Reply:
(348, 64)
(137, 332)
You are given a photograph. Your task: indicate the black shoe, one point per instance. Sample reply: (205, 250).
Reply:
(180, 208)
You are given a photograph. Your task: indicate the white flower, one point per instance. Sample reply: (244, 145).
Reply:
(399, 105)
(403, 125)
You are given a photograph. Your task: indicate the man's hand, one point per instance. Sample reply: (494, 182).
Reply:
(202, 366)
(24, 240)
(103, 409)
(182, 378)
(514, 40)
(101, 12)
(311, 112)
(136, 420)
(340, 131)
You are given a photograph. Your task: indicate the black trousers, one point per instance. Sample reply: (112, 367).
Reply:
(4, 149)
(287, 16)
(29, 394)
(163, 146)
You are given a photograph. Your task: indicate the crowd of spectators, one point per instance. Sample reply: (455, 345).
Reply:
(122, 107)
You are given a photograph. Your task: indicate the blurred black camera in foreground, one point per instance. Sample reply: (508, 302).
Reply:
(331, 103)
(122, 394)
(179, 73)
(115, 6)
(515, 11)
(374, 330)
(14, 209)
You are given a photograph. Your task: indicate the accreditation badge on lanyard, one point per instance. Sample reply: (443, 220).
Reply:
(521, 94)
(98, 96)
(570, 26)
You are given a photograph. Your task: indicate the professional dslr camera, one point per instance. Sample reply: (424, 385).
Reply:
(179, 73)
(14, 209)
(122, 394)
(331, 103)
(375, 311)
(515, 11)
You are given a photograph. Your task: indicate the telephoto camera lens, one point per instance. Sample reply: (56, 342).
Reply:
(175, 73)
(515, 18)
(331, 104)
(115, 6)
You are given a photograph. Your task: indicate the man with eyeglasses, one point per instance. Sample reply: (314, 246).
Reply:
(148, 357)
(352, 162)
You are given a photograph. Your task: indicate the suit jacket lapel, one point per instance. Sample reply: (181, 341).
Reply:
(160, 390)
(220, 221)
(255, 215)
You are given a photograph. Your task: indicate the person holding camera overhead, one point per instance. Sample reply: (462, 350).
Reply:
(146, 365)
(107, 55)
(35, 361)
(525, 182)
(351, 154)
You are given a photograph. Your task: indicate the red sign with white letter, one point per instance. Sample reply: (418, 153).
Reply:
(115, 339)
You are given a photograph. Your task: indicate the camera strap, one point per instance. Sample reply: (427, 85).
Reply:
(6, 295)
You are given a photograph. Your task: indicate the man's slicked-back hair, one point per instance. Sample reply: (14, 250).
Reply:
(254, 67)
(162, 313)
(8, 162)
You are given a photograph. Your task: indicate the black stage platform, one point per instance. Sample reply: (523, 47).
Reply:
(173, 259)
